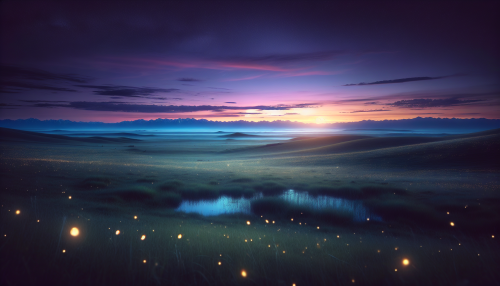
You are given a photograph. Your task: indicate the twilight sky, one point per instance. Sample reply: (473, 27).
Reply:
(328, 62)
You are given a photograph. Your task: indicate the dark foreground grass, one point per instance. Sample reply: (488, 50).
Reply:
(95, 182)
(179, 250)
(280, 209)
(364, 192)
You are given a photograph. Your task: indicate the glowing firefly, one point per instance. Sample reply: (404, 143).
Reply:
(243, 273)
(74, 231)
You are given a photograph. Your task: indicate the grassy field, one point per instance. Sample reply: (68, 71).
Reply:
(443, 218)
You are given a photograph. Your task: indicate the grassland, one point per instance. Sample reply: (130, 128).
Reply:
(417, 187)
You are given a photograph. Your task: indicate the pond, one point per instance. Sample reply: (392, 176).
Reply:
(227, 205)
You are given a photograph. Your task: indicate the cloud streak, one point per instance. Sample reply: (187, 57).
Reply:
(189, 79)
(143, 108)
(399, 80)
(280, 59)
(39, 75)
(428, 103)
(126, 91)
(7, 87)
(362, 111)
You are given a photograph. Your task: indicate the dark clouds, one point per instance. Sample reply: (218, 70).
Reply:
(400, 80)
(7, 87)
(280, 59)
(362, 111)
(79, 28)
(189, 79)
(13, 72)
(8, 106)
(16, 80)
(41, 101)
(127, 91)
(426, 103)
(143, 108)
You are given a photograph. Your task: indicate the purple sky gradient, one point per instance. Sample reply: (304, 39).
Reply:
(327, 62)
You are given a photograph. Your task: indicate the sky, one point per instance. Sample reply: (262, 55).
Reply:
(321, 63)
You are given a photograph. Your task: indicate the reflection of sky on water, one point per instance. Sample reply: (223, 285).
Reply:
(325, 202)
(227, 205)
(222, 205)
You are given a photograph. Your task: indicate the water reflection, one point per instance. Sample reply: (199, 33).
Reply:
(222, 205)
(227, 205)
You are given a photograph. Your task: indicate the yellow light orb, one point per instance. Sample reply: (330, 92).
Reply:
(291, 219)
(143, 237)
(317, 227)
(69, 197)
(267, 221)
(117, 232)
(64, 251)
(74, 231)
(248, 222)
(179, 236)
(406, 262)
(18, 212)
(243, 273)
(219, 263)
(135, 217)
(452, 223)
(144, 261)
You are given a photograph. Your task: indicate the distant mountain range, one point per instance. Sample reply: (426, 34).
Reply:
(175, 124)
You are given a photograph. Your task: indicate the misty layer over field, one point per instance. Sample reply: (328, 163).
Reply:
(162, 207)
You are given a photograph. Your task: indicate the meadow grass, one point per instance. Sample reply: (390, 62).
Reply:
(95, 182)
(277, 208)
(285, 252)
(316, 248)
